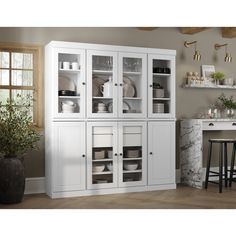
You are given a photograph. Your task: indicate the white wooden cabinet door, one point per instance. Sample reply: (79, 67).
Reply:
(69, 156)
(132, 85)
(70, 80)
(101, 68)
(102, 165)
(161, 152)
(132, 153)
(161, 86)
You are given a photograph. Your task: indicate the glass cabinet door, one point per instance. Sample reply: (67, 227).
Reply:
(102, 84)
(70, 83)
(132, 85)
(161, 90)
(133, 152)
(102, 155)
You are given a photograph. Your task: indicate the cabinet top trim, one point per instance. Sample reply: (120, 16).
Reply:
(63, 44)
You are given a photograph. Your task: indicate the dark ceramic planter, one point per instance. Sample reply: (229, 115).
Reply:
(12, 180)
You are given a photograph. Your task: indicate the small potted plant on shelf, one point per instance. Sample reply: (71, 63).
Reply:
(218, 77)
(228, 104)
(17, 136)
(158, 90)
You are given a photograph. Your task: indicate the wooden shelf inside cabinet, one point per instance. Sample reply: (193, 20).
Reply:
(161, 74)
(102, 160)
(70, 97)
(131, 73)
(102, 72)
(103, 173)
(131, 171)
(100, 98)
(132, 98)
(161, 99)
(209, 86)
(132, 158)
(62, 71)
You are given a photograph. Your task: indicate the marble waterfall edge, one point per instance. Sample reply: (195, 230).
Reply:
(191, 152)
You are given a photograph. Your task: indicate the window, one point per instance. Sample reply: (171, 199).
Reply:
(20, 73)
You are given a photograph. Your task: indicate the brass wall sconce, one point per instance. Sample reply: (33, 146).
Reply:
(228, 57)
(197, 56)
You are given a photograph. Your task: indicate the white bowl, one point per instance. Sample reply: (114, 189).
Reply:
(131, 166)
(132, 153)
(98, 168)
(109, 154)
(99, 155)
(110, 166)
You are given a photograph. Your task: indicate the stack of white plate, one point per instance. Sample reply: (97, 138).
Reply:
(158, 108)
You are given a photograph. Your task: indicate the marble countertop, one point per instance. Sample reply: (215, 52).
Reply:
(199, 119)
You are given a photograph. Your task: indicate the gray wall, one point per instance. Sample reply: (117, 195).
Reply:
(189, 102)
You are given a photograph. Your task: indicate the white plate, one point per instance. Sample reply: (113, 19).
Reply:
(102, 111)
(128, 90)
(66, 83)
(126, 106)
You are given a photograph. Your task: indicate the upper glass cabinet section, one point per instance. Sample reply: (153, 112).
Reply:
(70, 83)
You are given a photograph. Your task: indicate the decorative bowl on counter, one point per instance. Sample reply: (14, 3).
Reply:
(98, 168)
(131, 166)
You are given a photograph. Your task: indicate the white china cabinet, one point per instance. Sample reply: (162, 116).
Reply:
(116, 84)
(109, 119)
(116, 154)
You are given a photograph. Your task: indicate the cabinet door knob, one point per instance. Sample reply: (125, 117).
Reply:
(83, 83)
(116, 154)
(150, 85)
(121, 84)
(150, 153)
(116, 84)
(121, 154)
(234, 124)
(83, 155)
(211, 124)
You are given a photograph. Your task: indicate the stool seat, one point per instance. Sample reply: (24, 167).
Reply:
(221, 140)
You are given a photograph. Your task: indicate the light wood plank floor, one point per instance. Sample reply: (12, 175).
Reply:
(181, 198)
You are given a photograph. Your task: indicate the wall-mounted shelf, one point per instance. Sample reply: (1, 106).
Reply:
(209, 86)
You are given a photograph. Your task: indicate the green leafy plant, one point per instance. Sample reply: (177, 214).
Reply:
(218, 76)
(17, 133)
(227, 103)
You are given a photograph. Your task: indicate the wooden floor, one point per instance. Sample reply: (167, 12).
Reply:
(181, 198)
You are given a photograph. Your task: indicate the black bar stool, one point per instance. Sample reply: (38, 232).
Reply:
(232, 170)
(222, 158)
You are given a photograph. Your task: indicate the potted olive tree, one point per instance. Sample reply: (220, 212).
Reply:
(218, 77)
(17, 136)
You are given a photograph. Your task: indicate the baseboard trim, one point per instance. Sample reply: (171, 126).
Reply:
(35, 185)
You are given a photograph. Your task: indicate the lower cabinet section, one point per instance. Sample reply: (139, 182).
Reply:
(110, 157)
(69, 163)
(161, 153)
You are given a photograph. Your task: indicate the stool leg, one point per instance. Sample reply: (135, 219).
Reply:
(225, 164)
(220, 167)
(208, 165)
(232, 165)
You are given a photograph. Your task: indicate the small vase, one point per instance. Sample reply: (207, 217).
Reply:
(12, 180)
(230, 113)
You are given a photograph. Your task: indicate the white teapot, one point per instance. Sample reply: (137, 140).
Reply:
(106, 88)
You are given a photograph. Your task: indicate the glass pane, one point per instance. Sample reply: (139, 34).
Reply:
(22, 60)
(4, 59)
(132, 64)
(4, 77)
(22, 77)
(132, 153)
(102, 155)
(27, 94)
(4, 95)
(102, 63)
